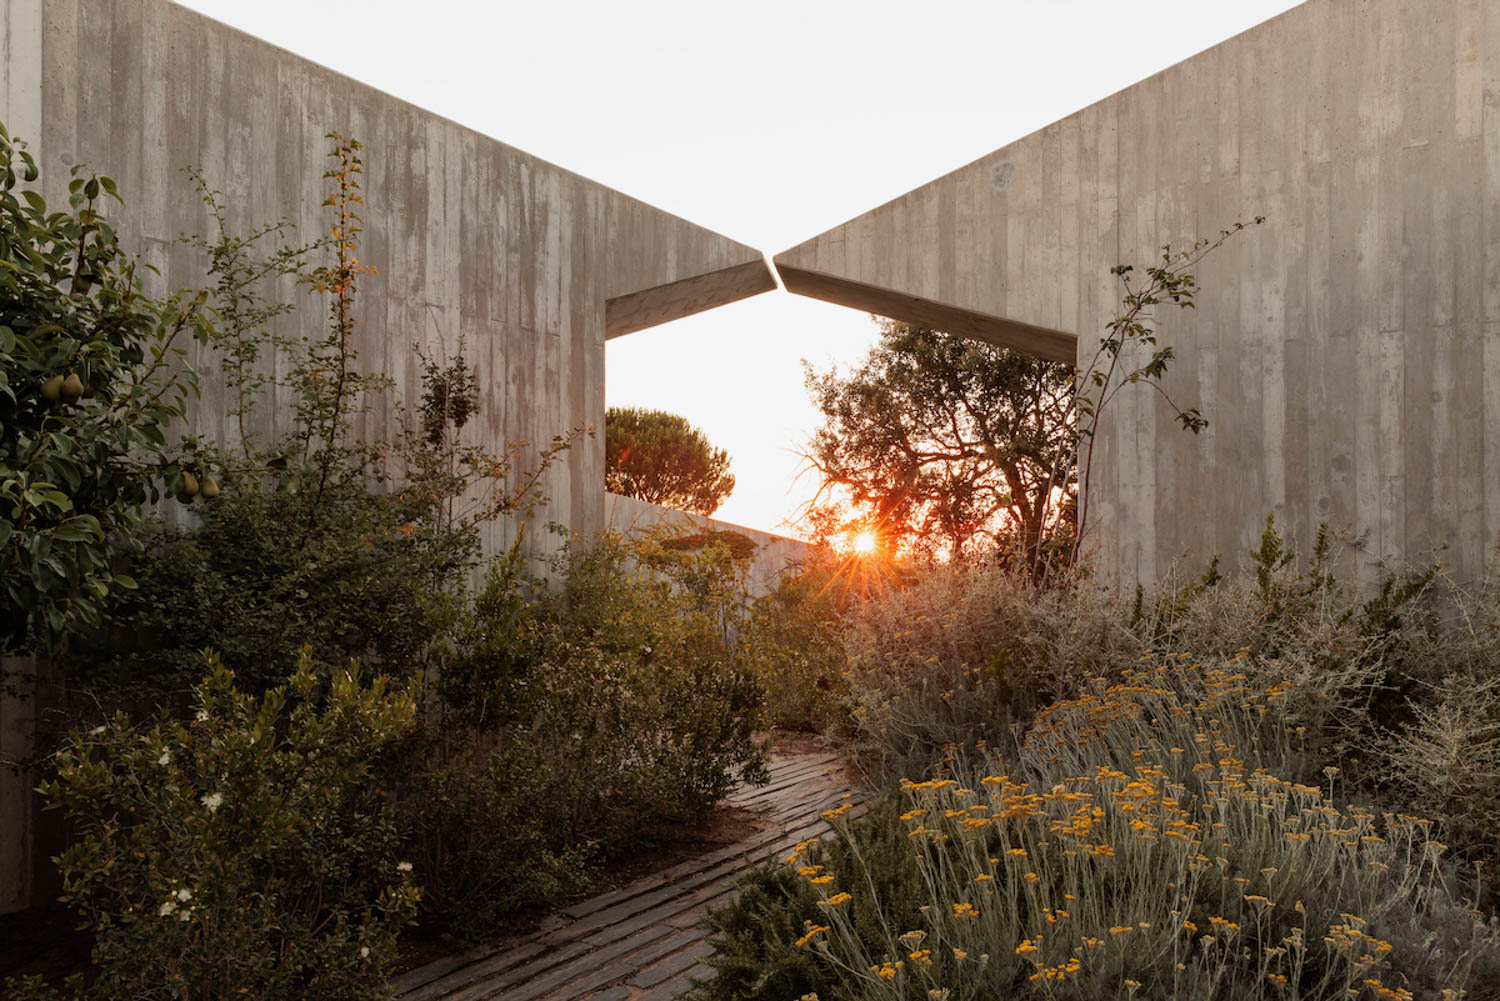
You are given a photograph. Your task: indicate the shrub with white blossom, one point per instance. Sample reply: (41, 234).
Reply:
(249, 852)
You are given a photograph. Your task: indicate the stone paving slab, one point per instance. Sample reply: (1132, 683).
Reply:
(644, 941)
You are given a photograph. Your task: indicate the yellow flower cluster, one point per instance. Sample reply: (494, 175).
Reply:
(812, 931)
(1161, 801)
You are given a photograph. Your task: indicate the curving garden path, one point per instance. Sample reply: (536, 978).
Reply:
(645, 941)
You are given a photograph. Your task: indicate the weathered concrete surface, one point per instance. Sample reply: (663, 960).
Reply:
(775, 556)
(532, 265)
(1346, 353)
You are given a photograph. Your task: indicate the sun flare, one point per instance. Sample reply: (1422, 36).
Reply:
(864, 543)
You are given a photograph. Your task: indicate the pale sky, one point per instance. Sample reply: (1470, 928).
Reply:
(769, 122)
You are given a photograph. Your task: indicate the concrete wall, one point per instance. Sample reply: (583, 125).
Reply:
(1346, 353)
(531, 264)
(775, 555)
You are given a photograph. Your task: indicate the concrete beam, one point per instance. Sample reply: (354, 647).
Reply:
(1051, 345)
(625, 314)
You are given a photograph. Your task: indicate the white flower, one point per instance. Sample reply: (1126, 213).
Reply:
(212, 801)
(364, 952)
(96, 731)
(166, 757)
(186, 914)
(184, 894)
(403, 867)
(202, 715)
(167, 908)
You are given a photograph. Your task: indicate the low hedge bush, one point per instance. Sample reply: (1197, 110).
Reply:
(250, 851)
(574, 724)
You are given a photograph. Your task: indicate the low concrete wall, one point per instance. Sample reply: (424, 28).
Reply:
(776, 554)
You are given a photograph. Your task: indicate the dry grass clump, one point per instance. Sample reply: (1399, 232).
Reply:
(963, 656)
(1393, 684)
(1146, 848)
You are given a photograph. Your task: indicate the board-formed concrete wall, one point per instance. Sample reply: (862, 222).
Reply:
(1346, 353)
(532, 265)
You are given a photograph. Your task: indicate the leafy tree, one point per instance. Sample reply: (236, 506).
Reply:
(90, 392)
(659, 457)
(939, 441)
(942, 442)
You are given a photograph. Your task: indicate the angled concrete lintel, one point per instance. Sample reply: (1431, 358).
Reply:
(625, 314)
(1050, 345)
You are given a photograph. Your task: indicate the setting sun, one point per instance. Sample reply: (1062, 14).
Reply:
(864, 543)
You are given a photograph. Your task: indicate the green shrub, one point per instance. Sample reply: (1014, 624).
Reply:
(962, 656)
(761, 939)
(251, 851)
(574, 722)
(1444, 757)
(1150, 851)
(259, 578)
(791, 643)
(89, 394)
(317, 537)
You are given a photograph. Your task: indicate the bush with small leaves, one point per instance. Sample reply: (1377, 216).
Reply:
(791, 643)
(575, 723)
(250, 851)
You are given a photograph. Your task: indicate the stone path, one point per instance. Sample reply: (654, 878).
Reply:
(645, 941)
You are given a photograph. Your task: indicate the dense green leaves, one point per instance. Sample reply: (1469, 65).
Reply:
(577, 721)
(89, 388)
(250, 852)
(659, 457)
